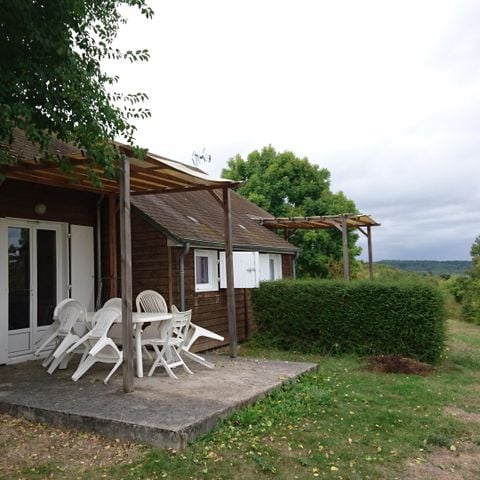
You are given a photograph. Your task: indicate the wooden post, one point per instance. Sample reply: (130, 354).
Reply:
(232, 322)
(170, 280)
(112, 246)
(126, 267)
(370, 253)
(346, 269)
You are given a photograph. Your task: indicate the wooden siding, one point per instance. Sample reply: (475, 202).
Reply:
(287, 266)
(18, 200)
(151, 271)
(149, 259)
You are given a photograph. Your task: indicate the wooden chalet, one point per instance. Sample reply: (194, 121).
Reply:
(61, 236)
(178, 247)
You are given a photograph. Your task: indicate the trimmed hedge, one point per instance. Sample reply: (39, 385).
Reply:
(367, 318)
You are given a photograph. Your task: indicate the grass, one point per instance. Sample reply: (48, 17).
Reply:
(337, 422)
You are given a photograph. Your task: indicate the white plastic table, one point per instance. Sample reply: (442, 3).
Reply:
(138, 319)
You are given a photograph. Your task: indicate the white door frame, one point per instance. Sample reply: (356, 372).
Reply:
(62, 281)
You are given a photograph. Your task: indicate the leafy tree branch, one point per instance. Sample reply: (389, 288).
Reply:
(51, 81)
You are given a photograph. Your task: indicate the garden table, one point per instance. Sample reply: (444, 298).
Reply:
(138, 319)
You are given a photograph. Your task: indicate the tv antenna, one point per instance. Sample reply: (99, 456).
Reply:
(202, 157)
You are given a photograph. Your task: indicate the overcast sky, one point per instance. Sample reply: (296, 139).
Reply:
(385, 94)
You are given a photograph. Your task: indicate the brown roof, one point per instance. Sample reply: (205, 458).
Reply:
(197, 218)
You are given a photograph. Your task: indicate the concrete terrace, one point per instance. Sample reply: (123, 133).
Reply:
(160, 412)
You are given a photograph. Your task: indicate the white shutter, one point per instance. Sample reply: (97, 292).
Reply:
(265, 271)
(278, 266)
(82, 261)
(264, 267)
(245, 270)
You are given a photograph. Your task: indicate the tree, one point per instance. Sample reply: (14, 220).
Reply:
(286, 185)
(51, 80)
(471, 293)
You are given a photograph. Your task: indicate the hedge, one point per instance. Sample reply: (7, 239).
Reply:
(367, 318)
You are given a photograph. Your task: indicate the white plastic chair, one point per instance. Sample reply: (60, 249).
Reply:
(150, 301)
(115, 332)
(50, 334)
(114, 302)
(100, 347)
(169, 347)
(193, 334)
(68, 314)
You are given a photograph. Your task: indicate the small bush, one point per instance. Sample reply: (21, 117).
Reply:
(367, 318)
(471, 301)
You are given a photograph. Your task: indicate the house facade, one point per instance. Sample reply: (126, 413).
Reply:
(178, 250)
(60, 239)
(47, 253)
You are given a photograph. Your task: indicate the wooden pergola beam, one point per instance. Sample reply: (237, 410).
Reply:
(126, 267)
(176, 190)
(112, 245)
(346, 260)
(231, 308)
(370, 252)
(368, 234)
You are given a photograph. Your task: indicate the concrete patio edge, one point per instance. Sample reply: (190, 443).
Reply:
(153, 433)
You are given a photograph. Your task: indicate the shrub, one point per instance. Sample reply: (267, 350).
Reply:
(457, 285)
(367, 318)
(471, 301)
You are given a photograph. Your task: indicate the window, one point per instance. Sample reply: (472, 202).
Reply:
(270, 266)
(206, 270)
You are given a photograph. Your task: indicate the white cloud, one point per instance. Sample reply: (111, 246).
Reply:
(385, 94)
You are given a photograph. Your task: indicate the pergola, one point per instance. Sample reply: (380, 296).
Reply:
(152, 174)
(363, 223)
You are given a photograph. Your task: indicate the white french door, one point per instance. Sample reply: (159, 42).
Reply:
(33, 280)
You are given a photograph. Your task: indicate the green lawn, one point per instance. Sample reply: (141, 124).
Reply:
(338, 422)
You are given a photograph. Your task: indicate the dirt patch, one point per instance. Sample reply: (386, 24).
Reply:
(445, 464)
(397, 364)
(25, 445)
(467, 417)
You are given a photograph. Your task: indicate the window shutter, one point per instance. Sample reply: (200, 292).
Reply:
(82, 263)
(265, 272)
(264, 267)
(245, 270)
(278, 267)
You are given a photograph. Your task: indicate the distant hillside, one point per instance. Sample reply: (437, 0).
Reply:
(451, 267)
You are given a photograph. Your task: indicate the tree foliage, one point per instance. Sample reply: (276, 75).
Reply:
(471, 287)
(286, 185)
(51, 80)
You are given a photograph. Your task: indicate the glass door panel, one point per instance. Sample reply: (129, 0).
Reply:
(19, 284)
(46, 276)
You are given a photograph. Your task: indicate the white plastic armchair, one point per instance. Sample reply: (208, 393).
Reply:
(115, 332)
(69, 312)
(100, 347)
(168, 348)
(150, 301)
(193, 334)
(114, 302)
(50, 334)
